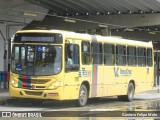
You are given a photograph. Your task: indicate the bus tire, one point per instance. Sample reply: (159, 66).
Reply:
(130, 93)
(83, 96)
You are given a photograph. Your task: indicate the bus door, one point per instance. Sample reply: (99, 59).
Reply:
(72, 64)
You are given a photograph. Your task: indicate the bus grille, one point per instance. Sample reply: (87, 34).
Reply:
(33, 93)
(35, 81)
(40, 87)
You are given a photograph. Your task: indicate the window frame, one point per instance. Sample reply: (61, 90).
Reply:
(95, 53)
(72, 68)
(150, 57)
(133, 55)
(139, 56)
(85, 53)
(117, 55)
(111, 54)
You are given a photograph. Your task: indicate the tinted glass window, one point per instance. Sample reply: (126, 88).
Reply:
(149, 57)
(85, 52)
(109, 56)
(131, 56)
(97, 53)
(141, 56)
(120, 55)
(36, 60)
(72, 57)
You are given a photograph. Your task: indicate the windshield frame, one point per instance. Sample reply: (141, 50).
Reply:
(35, 56)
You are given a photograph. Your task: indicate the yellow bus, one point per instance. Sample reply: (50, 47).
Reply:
(62, 65)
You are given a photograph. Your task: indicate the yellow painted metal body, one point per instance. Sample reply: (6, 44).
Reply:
(106, 82)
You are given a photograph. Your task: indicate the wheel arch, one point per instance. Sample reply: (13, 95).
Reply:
(86, 83)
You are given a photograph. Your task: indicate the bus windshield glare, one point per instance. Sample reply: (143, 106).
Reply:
(36, 59)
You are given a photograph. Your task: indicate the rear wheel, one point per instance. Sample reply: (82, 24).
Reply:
(83, 96)
(130, 93)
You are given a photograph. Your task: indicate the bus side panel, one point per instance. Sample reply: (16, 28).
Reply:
(97, 81)
(132, 76)
(140, 78)
(71, 86)
(150, 78)
(85, 75)
(150, 73)
(109, 81)
(120, 80)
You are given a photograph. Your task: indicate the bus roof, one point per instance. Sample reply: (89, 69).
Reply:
(87, 37)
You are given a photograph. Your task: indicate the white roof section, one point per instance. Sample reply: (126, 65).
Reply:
(87, 37)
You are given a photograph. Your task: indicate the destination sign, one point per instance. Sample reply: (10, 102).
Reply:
(38, 38)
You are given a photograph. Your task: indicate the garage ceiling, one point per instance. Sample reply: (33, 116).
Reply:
(93, 7)
(13, 12)
(147, 10)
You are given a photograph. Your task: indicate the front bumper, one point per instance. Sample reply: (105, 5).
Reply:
(56, 94)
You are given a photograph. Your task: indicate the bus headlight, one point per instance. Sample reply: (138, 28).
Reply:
(14, 83)
(55, 85)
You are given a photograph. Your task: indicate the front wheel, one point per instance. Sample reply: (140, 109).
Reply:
(83, 96)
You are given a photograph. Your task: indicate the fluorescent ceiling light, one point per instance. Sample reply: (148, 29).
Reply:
(129, 29)
(103, 25)
(30, 14)
(152, 33)
(69, 20)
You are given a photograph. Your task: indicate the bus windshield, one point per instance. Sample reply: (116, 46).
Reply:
(36, 59)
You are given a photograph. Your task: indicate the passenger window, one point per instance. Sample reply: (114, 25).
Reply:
(97, 53)
(109, 54)
(72, 57)
(131, 56)
(142, 56)
(120, 55)
(149, 57)
(85, 53)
